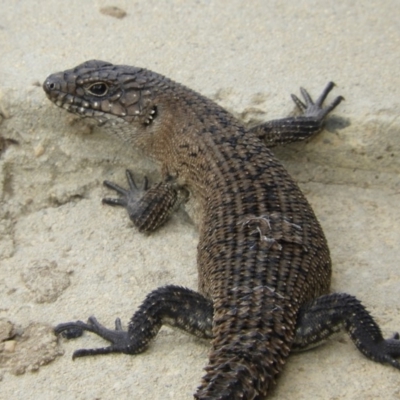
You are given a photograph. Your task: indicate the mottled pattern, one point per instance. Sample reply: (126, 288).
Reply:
(262, 257)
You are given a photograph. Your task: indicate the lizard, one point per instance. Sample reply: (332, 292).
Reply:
(264, 266)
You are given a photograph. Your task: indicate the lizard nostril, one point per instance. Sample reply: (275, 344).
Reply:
(50, 85)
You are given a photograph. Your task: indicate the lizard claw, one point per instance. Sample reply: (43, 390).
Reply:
(315, 109)
(129, 197)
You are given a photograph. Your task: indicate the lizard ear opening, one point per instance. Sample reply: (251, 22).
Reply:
(98, 89)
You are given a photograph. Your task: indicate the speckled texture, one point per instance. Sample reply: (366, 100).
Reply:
(248, 57)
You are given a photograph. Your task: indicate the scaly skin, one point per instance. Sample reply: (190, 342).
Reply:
(263, 260)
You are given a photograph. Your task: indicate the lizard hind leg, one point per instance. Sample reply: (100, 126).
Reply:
(329, 314)
(172, 305)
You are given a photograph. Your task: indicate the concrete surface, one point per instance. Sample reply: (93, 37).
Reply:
(64, 256)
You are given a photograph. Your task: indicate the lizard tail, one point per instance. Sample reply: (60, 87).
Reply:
(248, 353)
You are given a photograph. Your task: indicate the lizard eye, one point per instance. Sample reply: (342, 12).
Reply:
(98, 89)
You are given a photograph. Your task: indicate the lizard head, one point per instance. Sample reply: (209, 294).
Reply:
(110, 94)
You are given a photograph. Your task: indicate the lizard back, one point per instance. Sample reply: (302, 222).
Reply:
(261, 254)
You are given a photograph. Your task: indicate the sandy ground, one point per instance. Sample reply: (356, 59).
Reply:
(64, 256)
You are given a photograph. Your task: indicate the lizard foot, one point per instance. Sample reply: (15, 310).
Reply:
(129, 197)
(388, 350)
(311, 109)
(119, 338)
(151, 209)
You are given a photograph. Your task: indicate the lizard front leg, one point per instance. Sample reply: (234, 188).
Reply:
(330, 313)
(287, 130)
(153, 208)
(172, 305)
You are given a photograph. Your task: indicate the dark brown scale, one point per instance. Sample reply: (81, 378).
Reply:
(263, 260)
